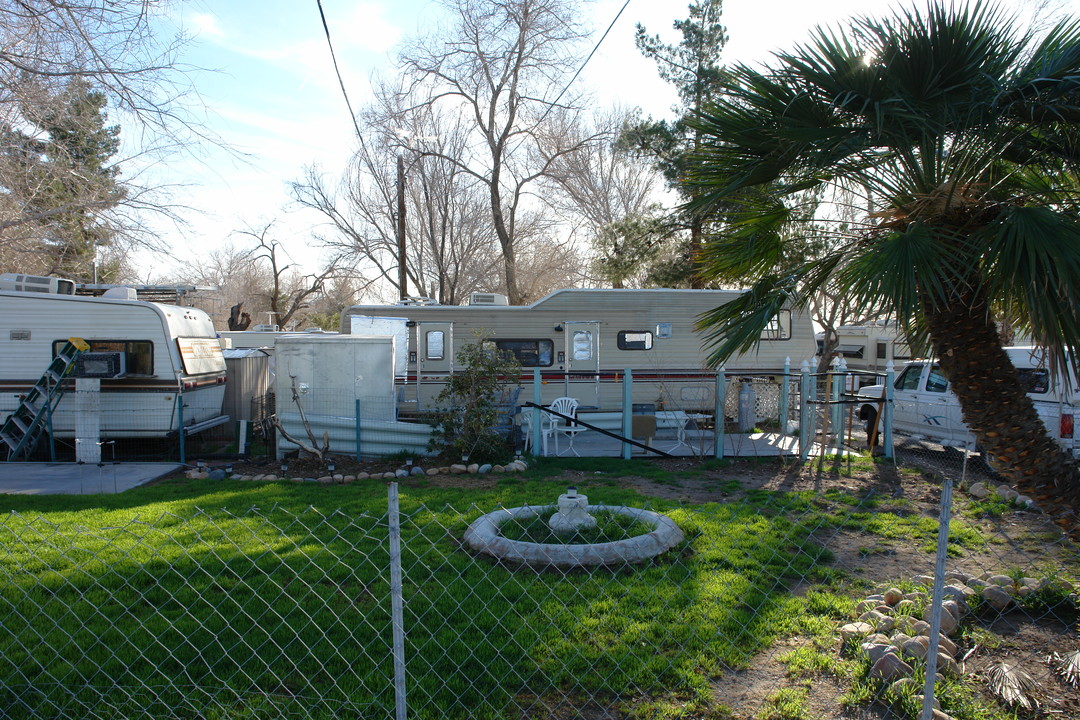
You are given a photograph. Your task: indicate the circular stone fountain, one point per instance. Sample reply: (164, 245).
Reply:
(573, 514)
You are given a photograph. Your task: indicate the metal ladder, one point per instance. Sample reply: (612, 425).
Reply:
(23, 427)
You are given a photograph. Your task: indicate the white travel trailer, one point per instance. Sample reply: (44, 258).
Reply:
(582, 341)
(148, 357)
(869, 349)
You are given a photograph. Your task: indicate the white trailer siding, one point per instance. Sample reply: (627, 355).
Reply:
(585, 339)
(144, 402)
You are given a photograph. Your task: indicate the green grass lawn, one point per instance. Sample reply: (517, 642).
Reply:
(228, 599)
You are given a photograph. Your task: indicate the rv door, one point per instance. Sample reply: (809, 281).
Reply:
(435, 345)
(583, 361)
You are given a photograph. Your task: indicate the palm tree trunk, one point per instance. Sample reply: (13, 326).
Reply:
(998, 411)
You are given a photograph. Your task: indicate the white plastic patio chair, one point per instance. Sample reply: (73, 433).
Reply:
(555, 425)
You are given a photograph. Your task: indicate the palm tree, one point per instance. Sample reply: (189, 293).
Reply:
(961, 136)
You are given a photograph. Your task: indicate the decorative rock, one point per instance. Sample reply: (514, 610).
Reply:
(875, 650)
(920, 627)
(473, 468)
(899, 639)
(997, 597)
(905, 607)
(865, 605)
(216, 475)
(960, 593)
(338, 478)
(885, 624)
(924, 579)
(904, 686)
(890, 667)
(484, 469)
(325, 479)
(893, 596)
(1003, 490)
(401, 473)
(947, 666)
(1023, 501)
(498, 469)
(920, 699)
(458, 469)
(433, 471)
(978, 491)
(956, 575)
(916, 647)
(348, 479)
(853, 631)
(976, 584)
(1011, 495)
(417, 471)
(1000, 580)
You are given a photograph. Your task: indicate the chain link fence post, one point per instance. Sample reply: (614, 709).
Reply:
(944, 517)
(396, 603)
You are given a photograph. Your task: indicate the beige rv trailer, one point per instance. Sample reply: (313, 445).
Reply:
(582, 341)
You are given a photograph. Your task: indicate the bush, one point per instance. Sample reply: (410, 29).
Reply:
(468, 423)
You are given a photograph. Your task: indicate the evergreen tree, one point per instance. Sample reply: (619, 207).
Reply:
(80, 183)
(56, 168)
(693, 67)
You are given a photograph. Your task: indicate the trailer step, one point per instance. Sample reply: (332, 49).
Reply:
(24, 427)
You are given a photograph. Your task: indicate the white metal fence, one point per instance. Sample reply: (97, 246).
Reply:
(816, 595)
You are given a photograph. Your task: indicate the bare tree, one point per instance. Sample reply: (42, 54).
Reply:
(289, 292)
(261, 281)
(504, 65)
(450, 246)
(611, 194)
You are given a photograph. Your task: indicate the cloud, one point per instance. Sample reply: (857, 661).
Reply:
(206, 25)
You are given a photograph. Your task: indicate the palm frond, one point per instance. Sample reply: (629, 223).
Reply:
(1032, 256)
(737, 325)
(1067, 665)
(1013, 685)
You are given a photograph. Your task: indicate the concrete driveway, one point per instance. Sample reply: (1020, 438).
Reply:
(75, 479)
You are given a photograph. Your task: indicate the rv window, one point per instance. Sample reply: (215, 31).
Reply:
(882, 350)
(529, 353)
(634, 340)
(582, 345)
(435, 345)
(1034, 380)
(779, 328)
(851, 351)
(139, 354)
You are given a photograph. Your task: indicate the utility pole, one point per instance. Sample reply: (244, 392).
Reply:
(402, 277)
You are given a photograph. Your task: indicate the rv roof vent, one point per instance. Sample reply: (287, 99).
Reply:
(488, 299)
(121, 293)
(417, 301)
(36, 283)
(265, 328)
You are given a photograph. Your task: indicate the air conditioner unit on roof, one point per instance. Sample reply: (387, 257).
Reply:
(36, 283)
(478, 298)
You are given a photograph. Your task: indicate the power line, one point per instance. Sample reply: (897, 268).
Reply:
(579, 70)
(337, 71)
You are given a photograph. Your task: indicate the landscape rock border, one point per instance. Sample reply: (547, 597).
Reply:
(484, 537)
(340, 479)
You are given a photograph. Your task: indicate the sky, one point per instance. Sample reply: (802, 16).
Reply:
(269, 86)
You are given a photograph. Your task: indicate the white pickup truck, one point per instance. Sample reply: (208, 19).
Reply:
(925, 408)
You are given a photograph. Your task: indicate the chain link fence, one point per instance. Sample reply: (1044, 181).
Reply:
(792, 595)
